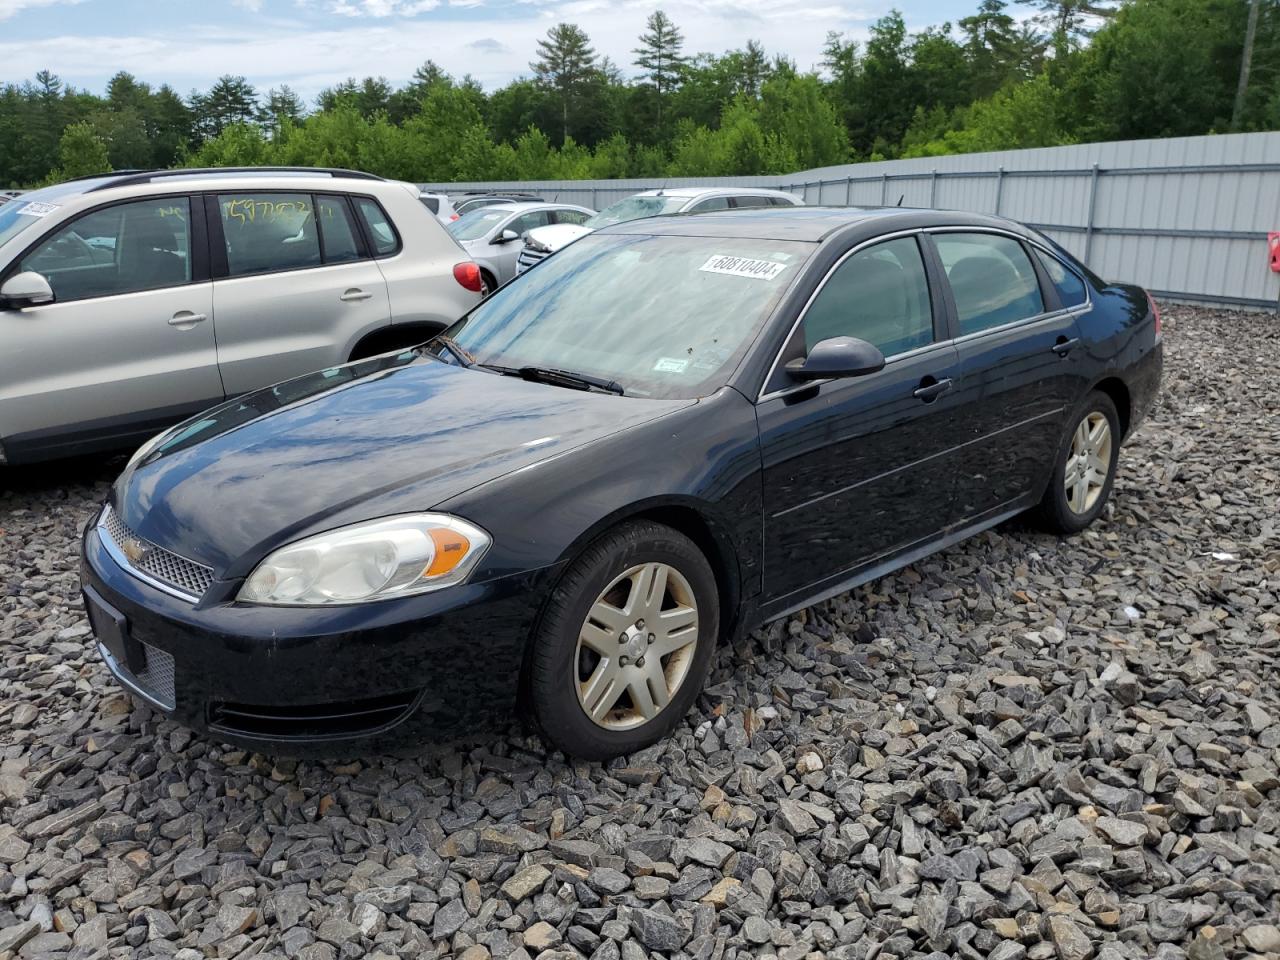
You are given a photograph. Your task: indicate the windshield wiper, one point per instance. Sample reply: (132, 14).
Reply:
(464, 358)
(559, 378)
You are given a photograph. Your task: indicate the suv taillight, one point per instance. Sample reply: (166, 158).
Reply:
(468, 274)
(1155, 312)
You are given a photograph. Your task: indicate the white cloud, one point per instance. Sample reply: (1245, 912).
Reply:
(253, 6)
(11, 8)
(380, 9)
(382, 37)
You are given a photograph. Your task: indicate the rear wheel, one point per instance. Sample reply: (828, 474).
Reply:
(488, 283)
(1085, 470)
(626, 642)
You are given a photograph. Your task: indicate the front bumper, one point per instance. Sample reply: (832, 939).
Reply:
(288, 679)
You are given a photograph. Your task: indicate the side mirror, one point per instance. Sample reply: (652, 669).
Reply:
(837, 357)
(28, 289)
(506, 236)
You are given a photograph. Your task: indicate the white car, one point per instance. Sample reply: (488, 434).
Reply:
(545, 241)
(492, 236)
(440, 205)
(129, 301)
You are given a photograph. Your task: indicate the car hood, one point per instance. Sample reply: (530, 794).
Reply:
(395, 434)
(554, 236)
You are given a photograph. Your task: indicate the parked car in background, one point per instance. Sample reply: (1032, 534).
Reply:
(440, 205)
(492, 236)
(651, 203)
(7, 195)
(129, 301)
(465, 203)
(670, 433)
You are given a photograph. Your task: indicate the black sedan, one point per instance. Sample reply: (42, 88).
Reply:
(666, 435)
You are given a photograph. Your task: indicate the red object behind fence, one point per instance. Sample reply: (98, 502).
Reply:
(1273, 241)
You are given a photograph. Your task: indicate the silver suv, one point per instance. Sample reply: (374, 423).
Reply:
(130, 301)
(544, 241)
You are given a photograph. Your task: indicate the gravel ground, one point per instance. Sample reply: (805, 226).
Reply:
(1022, 747)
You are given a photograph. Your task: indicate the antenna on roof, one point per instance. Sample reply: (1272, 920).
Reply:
(901, 197)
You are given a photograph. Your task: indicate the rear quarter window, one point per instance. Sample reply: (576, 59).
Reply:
(382, 235)
(1071, 289)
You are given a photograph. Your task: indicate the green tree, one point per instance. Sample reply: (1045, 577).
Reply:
(566, 62)
(81, 153)
(283, 107)
(659, 56)
(230, 100)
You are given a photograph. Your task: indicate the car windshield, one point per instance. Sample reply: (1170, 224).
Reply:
(23, 211)
(473, 225)
(662, 316)
(635, 208)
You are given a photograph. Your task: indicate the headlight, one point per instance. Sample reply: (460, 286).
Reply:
(378, 560)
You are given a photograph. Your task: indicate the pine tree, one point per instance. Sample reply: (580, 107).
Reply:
(565, 62)
(659, 55)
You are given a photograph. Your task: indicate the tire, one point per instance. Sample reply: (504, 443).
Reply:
(487, 283)
(606, 660)
(1069, 511)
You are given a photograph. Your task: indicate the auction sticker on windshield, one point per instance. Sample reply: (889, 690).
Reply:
(36, 209)
(743, 267)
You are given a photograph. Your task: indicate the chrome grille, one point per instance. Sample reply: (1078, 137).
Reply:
(528, 257)
(186, 577)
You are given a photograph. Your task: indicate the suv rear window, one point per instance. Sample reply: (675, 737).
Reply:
(266, 232)
(431, 203)
(381, 233)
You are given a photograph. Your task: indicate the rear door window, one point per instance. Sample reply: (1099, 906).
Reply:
(571, 216)
(268, 232)
(381, 233)
(711, 203)
(751, 201)
(337, 233)
(991, 279)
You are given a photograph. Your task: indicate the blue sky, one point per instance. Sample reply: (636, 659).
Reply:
(311, 44)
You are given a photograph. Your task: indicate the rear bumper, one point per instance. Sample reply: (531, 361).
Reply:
(1144, 385)
(290, 680)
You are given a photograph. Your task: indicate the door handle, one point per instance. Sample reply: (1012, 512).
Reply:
(931, 389)
(185, 318)
(1065, 346)
(355, 293)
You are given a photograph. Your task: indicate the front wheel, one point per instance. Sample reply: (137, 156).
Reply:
(1085, 469)
(625, 644)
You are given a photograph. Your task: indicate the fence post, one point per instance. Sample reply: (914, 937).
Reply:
(1088, 227)
(594, 204)
(933, 188)
(999, 188)
(848, 191)
(884, 189)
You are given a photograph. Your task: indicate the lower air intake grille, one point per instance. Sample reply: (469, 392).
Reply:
(152, 562)
(154, 681)
(343, 718)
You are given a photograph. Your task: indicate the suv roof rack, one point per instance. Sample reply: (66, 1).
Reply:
(133, 177)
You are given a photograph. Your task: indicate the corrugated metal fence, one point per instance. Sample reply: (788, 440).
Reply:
(1187, 218)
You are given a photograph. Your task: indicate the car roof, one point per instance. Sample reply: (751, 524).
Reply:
(714, 192)
(524, 206)
(812, 224)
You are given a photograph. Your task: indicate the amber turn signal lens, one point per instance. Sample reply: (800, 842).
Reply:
(451, 547)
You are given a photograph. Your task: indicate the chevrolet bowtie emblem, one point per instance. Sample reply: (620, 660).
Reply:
(135, 549)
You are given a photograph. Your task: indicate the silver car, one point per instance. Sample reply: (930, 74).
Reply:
(651, 203)
(492, 236)
(130, 301)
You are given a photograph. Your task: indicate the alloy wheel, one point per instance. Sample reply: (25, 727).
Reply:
(636, 646)
(1088, 463)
